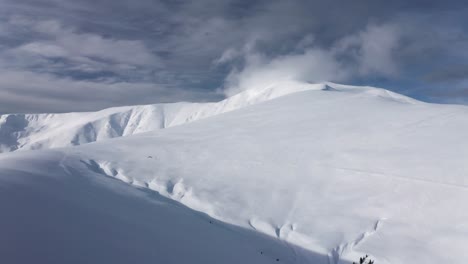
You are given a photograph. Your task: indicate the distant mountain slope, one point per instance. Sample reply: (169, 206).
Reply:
(340, 171)
(39, 131)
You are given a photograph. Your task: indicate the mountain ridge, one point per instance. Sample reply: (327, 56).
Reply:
(38, 131)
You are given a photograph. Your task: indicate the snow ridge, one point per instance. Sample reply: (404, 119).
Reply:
(42, 131)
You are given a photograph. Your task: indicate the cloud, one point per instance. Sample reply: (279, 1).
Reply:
(373, 48)
(56, 41)
(368, 52)
(24, 91)
(189, 49)
(313, 65)
(61, 69)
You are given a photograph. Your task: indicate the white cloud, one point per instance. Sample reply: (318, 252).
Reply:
(313, 65)
(228, 56)
(45, 49)
(368, 52)
(66, 43)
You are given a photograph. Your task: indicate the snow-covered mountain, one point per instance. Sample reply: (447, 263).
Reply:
(38, 131)
(298, 173)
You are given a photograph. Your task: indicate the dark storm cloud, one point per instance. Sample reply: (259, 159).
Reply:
(64, 55)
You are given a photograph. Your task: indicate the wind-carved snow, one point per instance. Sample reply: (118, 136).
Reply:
(337, 170)
(173, 189)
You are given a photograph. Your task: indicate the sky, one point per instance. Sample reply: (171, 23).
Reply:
(86, 55)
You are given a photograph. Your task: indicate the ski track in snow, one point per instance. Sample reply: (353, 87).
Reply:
(381, 174)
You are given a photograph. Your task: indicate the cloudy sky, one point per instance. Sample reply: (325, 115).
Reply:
(83, 55)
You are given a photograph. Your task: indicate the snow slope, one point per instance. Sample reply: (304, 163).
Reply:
(336, 170)
(56, 214)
